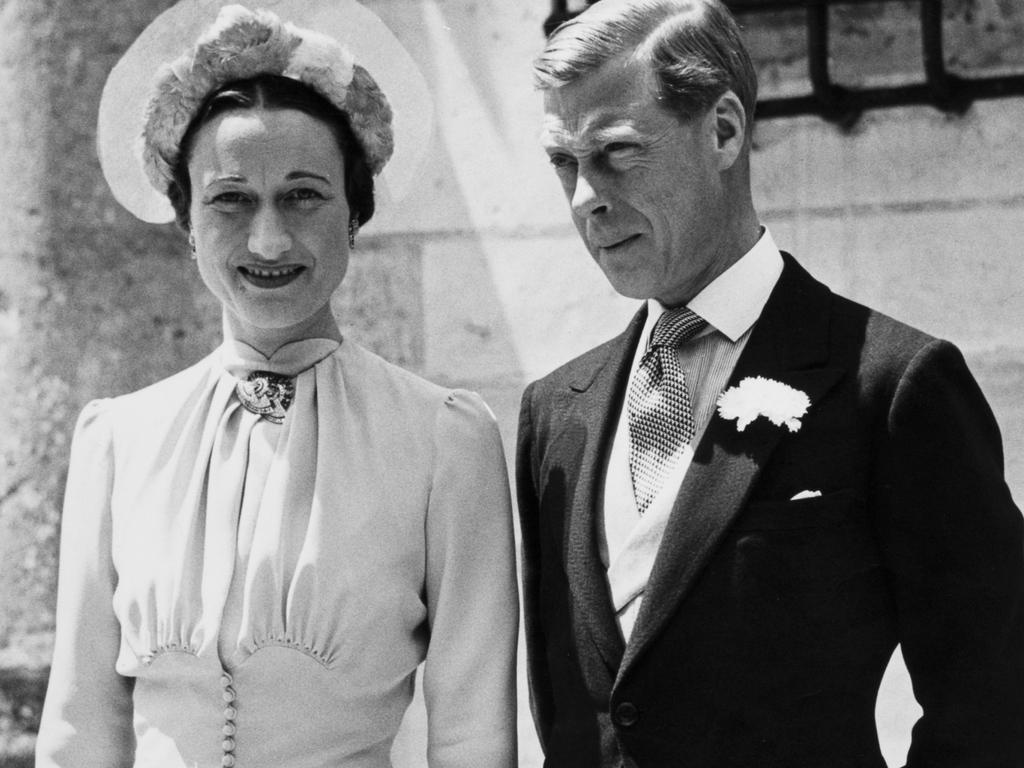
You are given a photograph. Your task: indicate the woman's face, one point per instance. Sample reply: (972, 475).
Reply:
(270, 222)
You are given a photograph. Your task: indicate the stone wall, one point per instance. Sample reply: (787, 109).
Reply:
(477, 278)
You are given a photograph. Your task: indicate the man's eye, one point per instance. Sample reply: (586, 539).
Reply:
(561, 161)
(617, 147)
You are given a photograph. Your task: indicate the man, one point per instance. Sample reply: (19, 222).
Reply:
(735, 510)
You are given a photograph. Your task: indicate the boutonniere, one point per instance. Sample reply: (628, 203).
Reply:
(757, 396)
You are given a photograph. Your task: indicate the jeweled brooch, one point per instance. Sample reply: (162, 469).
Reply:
(267, 394)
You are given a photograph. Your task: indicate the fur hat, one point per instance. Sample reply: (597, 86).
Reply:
(242, 44)
(155, 91)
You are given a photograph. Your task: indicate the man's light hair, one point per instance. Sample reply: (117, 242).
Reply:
(693, 47)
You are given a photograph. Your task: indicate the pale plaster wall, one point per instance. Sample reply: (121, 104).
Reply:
(477, 278)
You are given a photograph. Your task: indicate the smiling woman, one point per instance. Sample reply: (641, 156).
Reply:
(259, 552)
(270, 222)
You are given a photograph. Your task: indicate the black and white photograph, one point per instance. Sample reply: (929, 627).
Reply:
(546, 384)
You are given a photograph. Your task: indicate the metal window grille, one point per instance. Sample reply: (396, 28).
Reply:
(844, 105)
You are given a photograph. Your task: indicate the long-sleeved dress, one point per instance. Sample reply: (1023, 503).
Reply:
(238, 592)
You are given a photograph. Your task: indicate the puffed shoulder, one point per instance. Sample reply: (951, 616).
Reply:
(91, 464)
(470, 405)
(93, 427)
(465, 419)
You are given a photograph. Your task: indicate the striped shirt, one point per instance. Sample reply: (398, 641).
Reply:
(731, 305)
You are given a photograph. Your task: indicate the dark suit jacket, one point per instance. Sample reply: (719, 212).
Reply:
(767, 623)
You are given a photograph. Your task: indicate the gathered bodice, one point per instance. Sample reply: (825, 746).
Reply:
(275, 586)
(228, 504)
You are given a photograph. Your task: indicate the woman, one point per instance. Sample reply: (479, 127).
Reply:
(258, 552)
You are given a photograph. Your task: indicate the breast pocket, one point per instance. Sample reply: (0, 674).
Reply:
(825, 511)
(804, 565)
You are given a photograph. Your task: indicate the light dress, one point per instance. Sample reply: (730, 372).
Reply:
(237, 592)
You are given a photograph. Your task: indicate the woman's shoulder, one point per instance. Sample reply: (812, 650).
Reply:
(164, 396)
(368, 371)
(387, 386)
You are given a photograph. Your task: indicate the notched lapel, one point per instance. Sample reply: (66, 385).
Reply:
(594, 410)
(789, 344)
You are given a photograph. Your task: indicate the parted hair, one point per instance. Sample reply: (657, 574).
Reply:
(276, 92)
(693, 47)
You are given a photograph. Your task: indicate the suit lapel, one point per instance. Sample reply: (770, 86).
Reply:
(788, 344)
(598, 395)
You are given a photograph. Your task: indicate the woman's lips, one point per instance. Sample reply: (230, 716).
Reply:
(277, 277)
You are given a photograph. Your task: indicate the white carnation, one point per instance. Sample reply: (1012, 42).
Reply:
(757, 396)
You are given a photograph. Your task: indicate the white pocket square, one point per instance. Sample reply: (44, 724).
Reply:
(806, 495)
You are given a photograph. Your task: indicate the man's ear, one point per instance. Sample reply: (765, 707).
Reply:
(730, 121)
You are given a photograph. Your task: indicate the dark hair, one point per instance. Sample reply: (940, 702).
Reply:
(693, 47)
(276, 92)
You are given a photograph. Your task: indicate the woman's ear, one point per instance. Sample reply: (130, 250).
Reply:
(730, 120)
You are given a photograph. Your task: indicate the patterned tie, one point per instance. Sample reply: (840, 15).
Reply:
(658, 405)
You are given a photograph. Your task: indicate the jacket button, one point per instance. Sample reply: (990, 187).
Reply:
(626, 714)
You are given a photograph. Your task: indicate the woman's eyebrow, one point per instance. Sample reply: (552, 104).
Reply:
(307, 175)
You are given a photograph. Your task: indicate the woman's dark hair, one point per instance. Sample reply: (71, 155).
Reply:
(276, 92)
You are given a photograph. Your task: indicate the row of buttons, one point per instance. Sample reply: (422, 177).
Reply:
(227, 760)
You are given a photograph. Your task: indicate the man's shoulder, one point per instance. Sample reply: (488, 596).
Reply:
(879, 338)
(881, 352)
(881, 328)
(854, 328)
(580, 370)
(581, 365)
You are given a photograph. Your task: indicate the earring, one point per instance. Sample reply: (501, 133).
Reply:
(353, 229)
(192, 244)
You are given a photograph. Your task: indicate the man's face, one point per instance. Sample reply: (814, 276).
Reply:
(645, 187)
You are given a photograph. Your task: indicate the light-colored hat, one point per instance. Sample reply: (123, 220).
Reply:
(155, 91)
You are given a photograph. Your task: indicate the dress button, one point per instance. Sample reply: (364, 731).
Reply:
(226, 679)
(230, 713)
(228, 761)
(228, 745)
(228, 695)
(228, 729)
(626, 714)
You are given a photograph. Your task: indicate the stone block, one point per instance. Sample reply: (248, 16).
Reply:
(380, 301)
(954, 274)
(516, 307)
(906, 159)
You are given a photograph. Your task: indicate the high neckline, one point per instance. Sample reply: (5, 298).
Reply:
(241, 359)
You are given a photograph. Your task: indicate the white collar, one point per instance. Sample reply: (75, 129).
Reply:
(733, 301)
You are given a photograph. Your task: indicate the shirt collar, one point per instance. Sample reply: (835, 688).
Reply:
(241, 359)
(733, 301)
